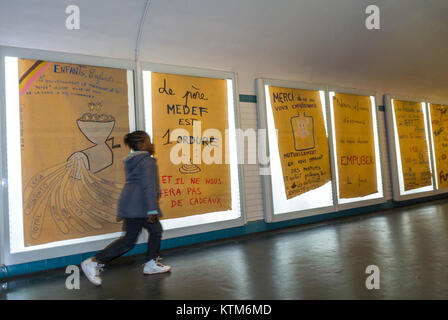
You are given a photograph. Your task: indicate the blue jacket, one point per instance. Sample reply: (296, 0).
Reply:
(140, 194)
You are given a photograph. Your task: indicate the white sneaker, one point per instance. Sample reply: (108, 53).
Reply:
(92, 271)
(153, 266)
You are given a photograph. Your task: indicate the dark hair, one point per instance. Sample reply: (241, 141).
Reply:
(133, 139)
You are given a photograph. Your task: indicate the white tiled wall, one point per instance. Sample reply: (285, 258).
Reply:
(387, 187)
(252, 178)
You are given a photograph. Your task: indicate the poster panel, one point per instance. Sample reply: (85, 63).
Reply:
(439, 124)
(355, 145)
(73, 119)
(410, 124)
(302, 139)
(190, 125)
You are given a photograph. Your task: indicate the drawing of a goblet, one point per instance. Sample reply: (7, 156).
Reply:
(97, 129)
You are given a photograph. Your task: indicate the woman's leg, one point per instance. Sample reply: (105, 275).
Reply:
(124, 244)
(154, 239)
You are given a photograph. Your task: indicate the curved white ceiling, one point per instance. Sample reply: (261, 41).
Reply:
(323, 41)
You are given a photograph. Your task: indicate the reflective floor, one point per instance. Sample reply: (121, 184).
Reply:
(319, 261)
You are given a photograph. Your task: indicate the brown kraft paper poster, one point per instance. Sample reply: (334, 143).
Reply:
(355, 145)
(410, 123)
(73, 119)
(302, 139)
(439, 121)
(190, 120)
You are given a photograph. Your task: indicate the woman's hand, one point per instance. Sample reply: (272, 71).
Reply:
(153, 218)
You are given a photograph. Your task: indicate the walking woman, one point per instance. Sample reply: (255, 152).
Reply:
(138, 206)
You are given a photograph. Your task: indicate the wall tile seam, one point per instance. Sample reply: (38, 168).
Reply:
(252, 167)
(248, 117)
(254, 202)
(251, 119)
(253, 175)
(256, 185)
(257, 193)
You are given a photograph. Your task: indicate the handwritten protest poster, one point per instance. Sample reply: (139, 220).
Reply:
(439, 121)
(355, 145)
(413, 146)
(302, 139)
(190, 120)
(73, 119)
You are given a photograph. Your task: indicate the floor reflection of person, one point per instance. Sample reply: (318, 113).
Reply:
(138, 206)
